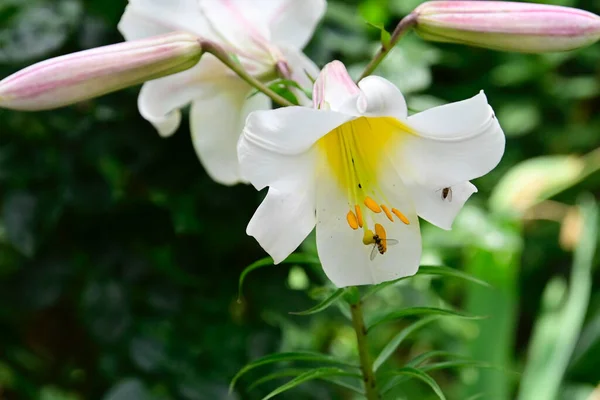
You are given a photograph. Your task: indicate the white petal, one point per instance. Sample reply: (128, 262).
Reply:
(216, 124)
(382, 98)
(284, 219)
(454, 143)
(160, 100)
(238, 23)
(143, 18)
(345, 259)
(273, 139)
(294, 22)
(433, 207)
(334, 88)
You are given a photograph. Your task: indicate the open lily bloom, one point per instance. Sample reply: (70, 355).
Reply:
(260, 33)
(361, 170)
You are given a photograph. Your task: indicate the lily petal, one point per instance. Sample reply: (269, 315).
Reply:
(160, 100)
(450, 144)
(285, 218)
(273, 139)
(334, 88)
(237, 24)
(143, 18)
(345, 259)
(383, 98)
(433, 207)
(216, 122)
(294, 22)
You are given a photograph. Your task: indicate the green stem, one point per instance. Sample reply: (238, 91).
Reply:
(221, 54)
(403, 26)
(366, 364)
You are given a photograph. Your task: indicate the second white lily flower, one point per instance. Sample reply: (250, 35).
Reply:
(260, 33)
(361, 170)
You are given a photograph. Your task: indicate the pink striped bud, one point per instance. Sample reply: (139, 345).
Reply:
(87, 74)
(507, 26)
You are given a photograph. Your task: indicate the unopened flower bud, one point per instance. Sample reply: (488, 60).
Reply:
(507, 26)
(87, 74)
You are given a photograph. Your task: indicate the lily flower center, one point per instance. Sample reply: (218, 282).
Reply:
(356, 153)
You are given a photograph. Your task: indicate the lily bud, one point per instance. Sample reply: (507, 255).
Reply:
(68, 79)
(507, 26)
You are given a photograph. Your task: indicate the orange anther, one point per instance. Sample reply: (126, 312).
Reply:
(372, 205)
(387, 212)
(382, 236)
(401, 216)
(359, 216)
(380, 231)
(352, 221)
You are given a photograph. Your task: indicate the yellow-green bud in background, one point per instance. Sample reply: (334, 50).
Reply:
(507, 26)
(68, 79)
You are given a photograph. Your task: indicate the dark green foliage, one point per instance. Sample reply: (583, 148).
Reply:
(120, 259)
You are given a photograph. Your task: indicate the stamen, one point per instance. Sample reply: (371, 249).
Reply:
(368, 237)
(352, 221)
(387, 212)
(401, 216)
(372, 205)
(359, 216)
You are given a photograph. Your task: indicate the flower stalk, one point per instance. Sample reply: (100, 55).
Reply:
(221, 55)
(403, 26)
(366, 363)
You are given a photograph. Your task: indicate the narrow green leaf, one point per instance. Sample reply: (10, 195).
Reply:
(457, 364)
(347, 385)
(288, 356)
(324, 304)
(477, 396)
(394, 315)
(452, 273)
(385, 36)
(429, 270)
(418, 374)
(421, 358)
(318, 373)
(387, 384)
(286, 373)
(268, 261)
(393, 344)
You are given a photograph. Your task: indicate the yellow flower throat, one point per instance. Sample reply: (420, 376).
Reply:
(356, 153)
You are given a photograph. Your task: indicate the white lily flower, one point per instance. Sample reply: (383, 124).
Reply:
(260, 33)
(362, 170)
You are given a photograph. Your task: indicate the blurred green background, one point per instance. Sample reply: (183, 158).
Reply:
(119, 258)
